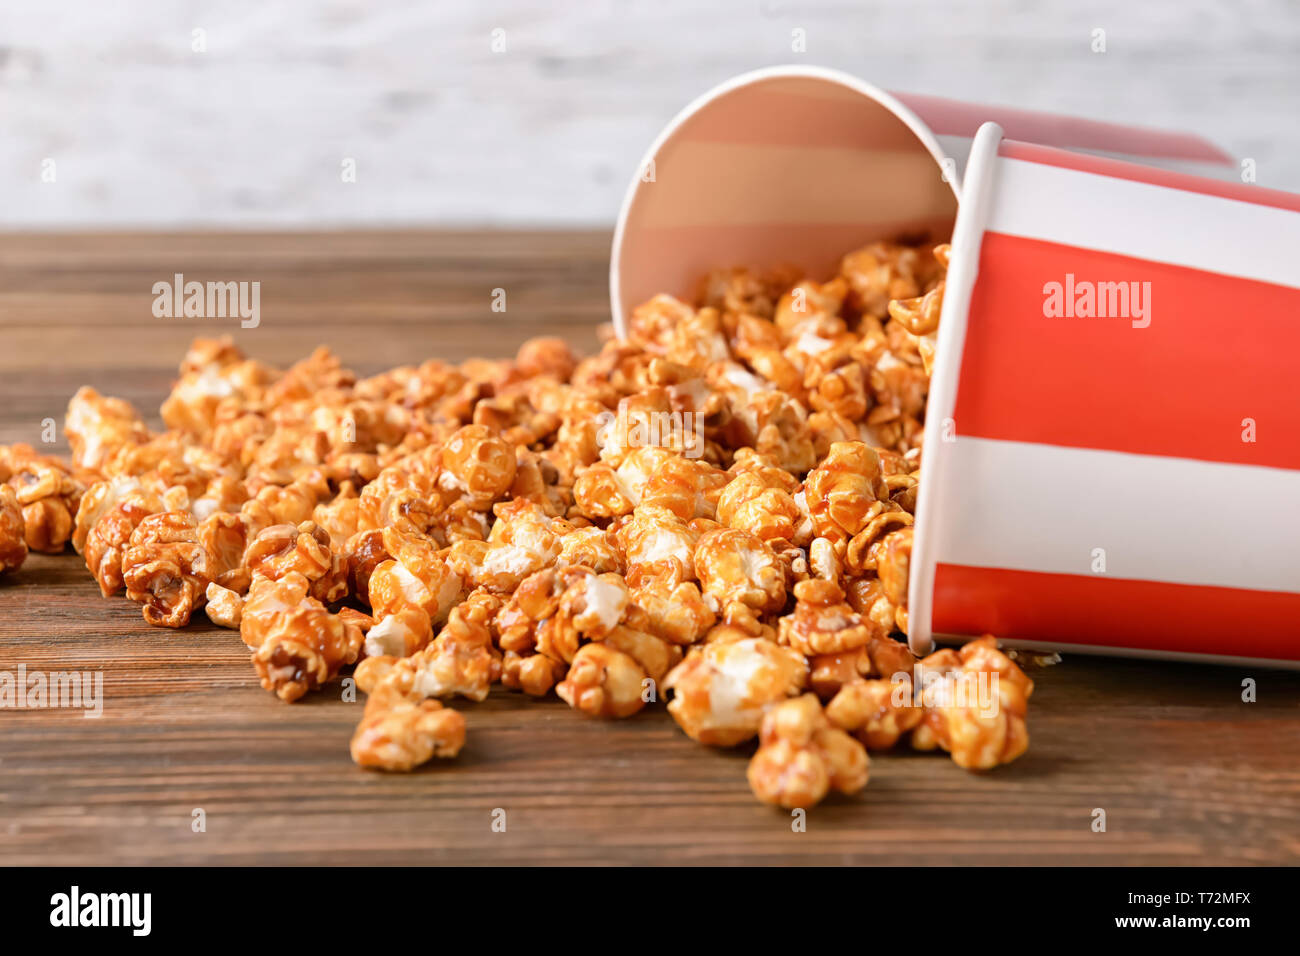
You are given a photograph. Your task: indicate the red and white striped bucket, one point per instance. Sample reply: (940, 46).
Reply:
(1123, 485)
(1120, 475)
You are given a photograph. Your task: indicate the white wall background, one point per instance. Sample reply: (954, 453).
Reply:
(252, 132)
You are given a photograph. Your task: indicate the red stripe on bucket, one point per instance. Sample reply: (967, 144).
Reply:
(1116, 613)
(1219, 350)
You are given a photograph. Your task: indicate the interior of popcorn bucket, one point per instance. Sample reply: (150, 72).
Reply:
(788, 166)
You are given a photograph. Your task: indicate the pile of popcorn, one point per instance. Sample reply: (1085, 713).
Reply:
(718, 509)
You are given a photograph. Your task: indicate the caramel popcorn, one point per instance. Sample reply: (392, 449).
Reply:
(13, 540)
(823, 622)
(115, 517)
(48, 493)
(736, 567)
(97, 427)
(298, 645)
(843, 493)
(280, 549)
(478, 466)
(718, 509)
(752, 502)
(672, 610)
(166, 569)
(417, 575)
(721, 689)
(878, 711)
(979, 721)
(655, 543)
(460, 661)
(224, 607)
(396, 733)
(801, 756)
(604, 682)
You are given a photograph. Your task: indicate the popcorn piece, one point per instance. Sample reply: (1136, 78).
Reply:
(671, 610)
(801, 757)
(607, 491)
(828, 673)
(524, 540)
(823, 623)
(224, 537)
(656, 543)
(477, 466)
(721, 689)
(975, 706)
(96, 426)
(920, 314)
(292, 503)
(364, 552)
(99, 498)
(534, 674)
(862, 553)
(399, 734)
(49, 496)
(224, 607)
(460, 661)
(13, 541)
(738, 567)
(213, 371)
(892, 558)
(689, 488)
(298, 644)
(867, 597)
(341, 517)
(591, 547)
(400, 499)
(416, 576)
(739, 622)
(589, 608)
(883, 271)
(752, 502)
(604, 682)
(842, 390)
(107, 540)
(546, 355)
(618, 676)
(283, 548)
(878, 711)
(843, 492)
(651, 324)
(166, 568)
(400, 633)
(357, 618)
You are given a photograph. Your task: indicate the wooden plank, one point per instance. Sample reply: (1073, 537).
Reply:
(1187, 772)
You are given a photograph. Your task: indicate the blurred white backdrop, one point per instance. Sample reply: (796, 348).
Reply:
(139, 128)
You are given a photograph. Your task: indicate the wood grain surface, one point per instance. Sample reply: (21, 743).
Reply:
(1186, 771)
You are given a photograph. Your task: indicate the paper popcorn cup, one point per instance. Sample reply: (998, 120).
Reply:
(1122, 479)
(1112, 445)
(799, 165)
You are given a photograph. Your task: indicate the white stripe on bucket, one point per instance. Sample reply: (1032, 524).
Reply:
(1145, 221)
(1163, 519)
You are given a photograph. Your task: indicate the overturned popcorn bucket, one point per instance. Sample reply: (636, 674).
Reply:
(1112, 445)
(1112, 449)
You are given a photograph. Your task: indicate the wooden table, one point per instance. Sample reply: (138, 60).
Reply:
(1186, 771)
